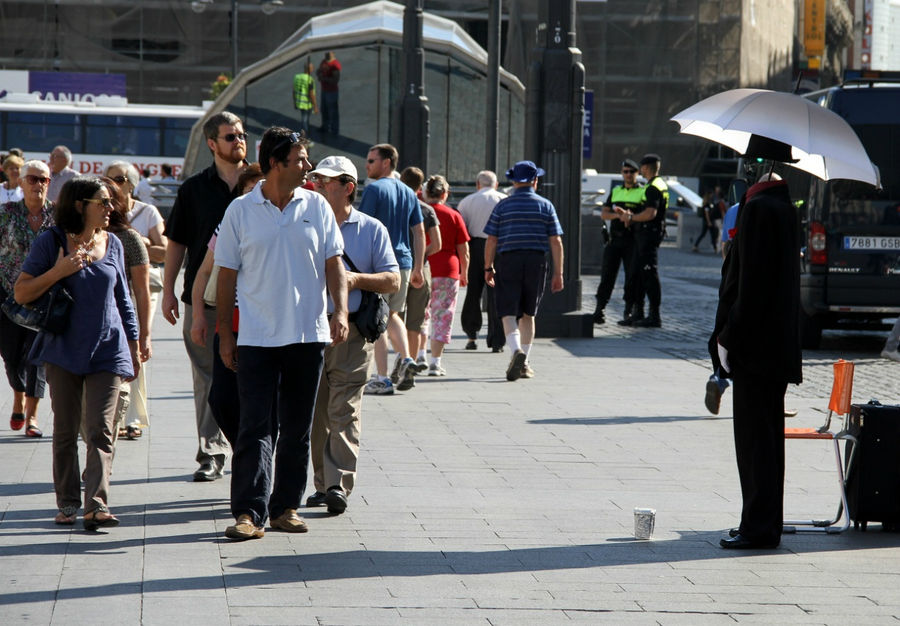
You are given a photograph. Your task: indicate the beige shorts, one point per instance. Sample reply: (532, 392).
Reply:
(397, 301)
(417, 301)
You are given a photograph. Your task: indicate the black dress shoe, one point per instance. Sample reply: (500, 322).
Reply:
(336, 500)
(208, 471)
(316, 499)
(740, 542)
(497, 349)
(471, 345)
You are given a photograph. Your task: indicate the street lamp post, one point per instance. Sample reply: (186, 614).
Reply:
(492, 147)
(553, 140)
(414, 113)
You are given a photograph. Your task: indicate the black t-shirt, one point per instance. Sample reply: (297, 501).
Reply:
(199, 207)
(655, 199)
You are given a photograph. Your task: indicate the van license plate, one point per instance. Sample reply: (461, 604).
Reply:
(871, 243)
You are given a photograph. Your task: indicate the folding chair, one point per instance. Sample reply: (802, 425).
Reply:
(841, 392)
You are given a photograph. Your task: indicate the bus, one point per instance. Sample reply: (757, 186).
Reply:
(100, 132)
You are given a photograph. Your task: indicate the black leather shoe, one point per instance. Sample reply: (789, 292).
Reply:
(336, 500)
(316, 499)
(471, 345)
(208, 471)
(734, 532)
(740, 542)
(497, 349)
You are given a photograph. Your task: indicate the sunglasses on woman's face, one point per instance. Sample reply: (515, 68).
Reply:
(31, 179)
(119, 180)
(106, 202)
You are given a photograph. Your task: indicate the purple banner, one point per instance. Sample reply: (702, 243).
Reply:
(75, 86)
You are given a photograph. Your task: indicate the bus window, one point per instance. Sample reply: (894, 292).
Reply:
(176, 135)
(122, 135)
(41, 132)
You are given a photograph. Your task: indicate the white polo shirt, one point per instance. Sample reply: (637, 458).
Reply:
(280, 260)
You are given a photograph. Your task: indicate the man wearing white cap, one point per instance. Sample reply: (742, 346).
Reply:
(370, 265)
(521, 230)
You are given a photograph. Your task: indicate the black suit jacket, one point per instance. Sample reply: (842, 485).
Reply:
(757, 320)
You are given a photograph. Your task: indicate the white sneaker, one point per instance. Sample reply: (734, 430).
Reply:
(378, 387)
(436, 370)
(407, 373)
(421, 364)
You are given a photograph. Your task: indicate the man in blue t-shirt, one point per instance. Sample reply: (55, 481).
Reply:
(395, 205)
(521, 230)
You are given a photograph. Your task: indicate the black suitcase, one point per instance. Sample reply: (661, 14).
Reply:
(873, 479)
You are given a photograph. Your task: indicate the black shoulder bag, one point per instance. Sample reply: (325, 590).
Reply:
(49, 313)
(371, 318)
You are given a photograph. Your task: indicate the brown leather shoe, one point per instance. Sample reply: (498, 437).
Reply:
(244, 529)
(289, 522)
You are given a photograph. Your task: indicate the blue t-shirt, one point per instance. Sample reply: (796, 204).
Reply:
(102, 320)
(729, 222)
(523, 221)
(395, 205)
(367, 244)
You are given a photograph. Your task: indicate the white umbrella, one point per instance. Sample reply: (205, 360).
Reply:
(823, 143)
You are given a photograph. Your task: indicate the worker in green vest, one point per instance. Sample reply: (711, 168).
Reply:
(650, 229)
(619, 250)
(305, 96)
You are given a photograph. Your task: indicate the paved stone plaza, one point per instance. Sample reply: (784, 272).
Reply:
(478, 501)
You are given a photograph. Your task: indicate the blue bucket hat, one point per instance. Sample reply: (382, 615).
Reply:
(524, 172)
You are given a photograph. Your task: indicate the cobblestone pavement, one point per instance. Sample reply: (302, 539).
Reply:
(478, 501)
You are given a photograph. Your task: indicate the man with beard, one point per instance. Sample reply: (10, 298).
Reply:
(199, 207)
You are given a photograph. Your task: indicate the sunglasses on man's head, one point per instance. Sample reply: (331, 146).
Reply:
(230, 137)
(290, 139)
(31, 179)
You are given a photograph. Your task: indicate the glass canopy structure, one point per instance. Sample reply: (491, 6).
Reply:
(367, 41)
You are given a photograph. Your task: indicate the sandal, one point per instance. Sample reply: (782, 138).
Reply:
(123, 432)
(92, 523)
(133, 432)
(64, 520)
(33, 431)
(17, 421)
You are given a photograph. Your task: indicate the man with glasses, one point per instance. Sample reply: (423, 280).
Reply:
(619, 250)
(278, 248)
(60, 172)
(335, 431)
(199, 207)
(395, 205)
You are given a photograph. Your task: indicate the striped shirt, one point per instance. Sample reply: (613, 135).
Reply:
(523, 221)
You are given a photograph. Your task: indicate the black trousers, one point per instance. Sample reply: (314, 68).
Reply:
(759, 446)
(618, 252)
(225, 401)
(646, 266)
(15, 344)
(293, 372)
(471, 317)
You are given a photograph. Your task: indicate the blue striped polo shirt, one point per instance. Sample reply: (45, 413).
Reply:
(523, 221)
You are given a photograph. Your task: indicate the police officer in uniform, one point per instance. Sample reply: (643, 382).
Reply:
(650, 228)
(619, 250)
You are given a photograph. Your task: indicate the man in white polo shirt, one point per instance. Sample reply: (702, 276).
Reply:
(278, 247)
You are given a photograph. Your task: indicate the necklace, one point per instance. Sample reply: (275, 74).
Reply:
(84, 247)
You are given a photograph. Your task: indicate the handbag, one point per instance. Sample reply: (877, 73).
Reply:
(371, 318)
(49, 313)
(209, 294)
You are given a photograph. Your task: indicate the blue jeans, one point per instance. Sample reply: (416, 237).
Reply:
(304, 120)
(331, 122)
(293, 371)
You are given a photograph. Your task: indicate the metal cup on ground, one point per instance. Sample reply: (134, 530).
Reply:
(644, 521)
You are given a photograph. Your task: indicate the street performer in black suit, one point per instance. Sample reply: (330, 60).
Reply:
(756, 343)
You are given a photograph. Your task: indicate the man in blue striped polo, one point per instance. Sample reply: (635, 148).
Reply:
(521, 230)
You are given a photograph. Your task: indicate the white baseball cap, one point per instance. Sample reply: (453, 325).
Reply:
(336, 166)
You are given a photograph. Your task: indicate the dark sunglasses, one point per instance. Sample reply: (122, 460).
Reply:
(230, 137)
(373, 160)
(290, 139)
(106, 202)
(31, 179)
(119, 180)
(629, 171)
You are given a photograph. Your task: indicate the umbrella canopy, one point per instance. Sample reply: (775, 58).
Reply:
(823, 143)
